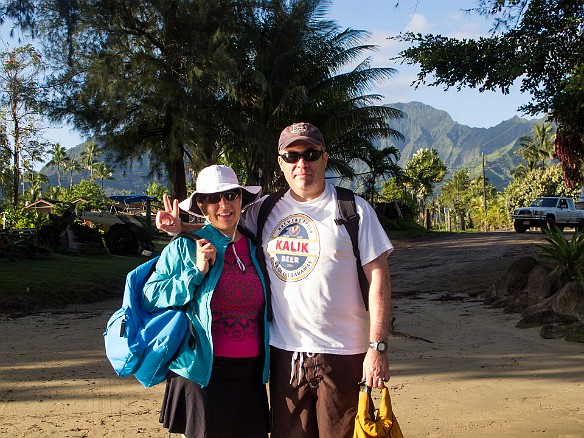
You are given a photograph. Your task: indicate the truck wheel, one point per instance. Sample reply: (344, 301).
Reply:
(550, 223)
(519, 227)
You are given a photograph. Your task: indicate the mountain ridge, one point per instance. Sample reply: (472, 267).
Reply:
(459, 146)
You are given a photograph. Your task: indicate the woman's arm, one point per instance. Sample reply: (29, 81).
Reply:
(176, 277)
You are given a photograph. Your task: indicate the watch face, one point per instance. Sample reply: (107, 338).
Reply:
(379, 346)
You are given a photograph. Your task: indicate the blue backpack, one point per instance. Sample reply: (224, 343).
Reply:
(141, 343)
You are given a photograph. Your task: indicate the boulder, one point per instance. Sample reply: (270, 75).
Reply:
(575, 332)
(570, 332)
(516, 277)
(569, 301)
(539, 318)
(518, 304)
(539, 285)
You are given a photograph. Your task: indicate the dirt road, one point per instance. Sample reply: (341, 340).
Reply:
(453, 262)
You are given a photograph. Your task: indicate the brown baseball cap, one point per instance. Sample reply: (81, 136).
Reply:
(300, 132)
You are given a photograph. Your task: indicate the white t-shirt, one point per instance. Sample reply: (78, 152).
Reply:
(316, 299)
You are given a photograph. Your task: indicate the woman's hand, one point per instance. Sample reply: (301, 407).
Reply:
(168, 219)
(206, 254)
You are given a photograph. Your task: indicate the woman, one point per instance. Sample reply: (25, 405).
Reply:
(216, 387)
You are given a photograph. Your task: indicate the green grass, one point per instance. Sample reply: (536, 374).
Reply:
(27, 285)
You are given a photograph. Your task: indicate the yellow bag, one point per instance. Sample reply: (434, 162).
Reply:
(366, 423)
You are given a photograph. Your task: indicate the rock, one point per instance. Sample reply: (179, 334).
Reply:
(569, 301)
(502, 303)
(519, 304)
(537, 307)
(579, 310)
(539, 285)
(539, 318)
(515, 279)
(575, 332)
(553, 331)
(572, 332)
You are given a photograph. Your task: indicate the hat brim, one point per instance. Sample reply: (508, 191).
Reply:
(300, 138)
(250, 194)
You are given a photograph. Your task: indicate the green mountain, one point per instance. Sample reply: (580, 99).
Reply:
(131, 177)
(460, 146)
(423, 127)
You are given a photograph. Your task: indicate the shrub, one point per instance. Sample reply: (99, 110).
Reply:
(569, 255)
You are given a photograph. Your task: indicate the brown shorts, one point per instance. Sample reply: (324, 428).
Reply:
(320, 401)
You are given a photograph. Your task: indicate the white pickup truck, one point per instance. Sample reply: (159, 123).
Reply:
(547, 212)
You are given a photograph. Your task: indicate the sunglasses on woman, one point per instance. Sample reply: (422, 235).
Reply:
(294, 157)
(214, 198)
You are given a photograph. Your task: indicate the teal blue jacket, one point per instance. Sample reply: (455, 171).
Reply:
(177, 282)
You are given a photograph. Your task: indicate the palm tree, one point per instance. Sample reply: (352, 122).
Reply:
(536, 148)
(58, 159)
(545, 141)
(528, 151)
(519, 172)
(88, 156)
(381, 163)
(35, 180)
(455, 194)
(298, 70)
(424, 171)
(103, 172)
(72, 165)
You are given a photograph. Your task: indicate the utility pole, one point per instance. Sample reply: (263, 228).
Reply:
(484, 196)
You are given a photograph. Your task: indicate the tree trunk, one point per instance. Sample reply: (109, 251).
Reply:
(178, 181)
(16, 155)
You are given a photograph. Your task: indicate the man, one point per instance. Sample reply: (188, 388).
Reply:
(323, 340)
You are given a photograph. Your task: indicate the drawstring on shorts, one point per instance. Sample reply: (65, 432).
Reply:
(298, 361)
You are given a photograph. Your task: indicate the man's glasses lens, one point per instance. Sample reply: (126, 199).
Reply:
(214, 198)
(294, 157)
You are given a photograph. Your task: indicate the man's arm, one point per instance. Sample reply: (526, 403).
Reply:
(376, 364)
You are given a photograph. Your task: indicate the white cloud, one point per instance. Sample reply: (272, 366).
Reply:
(418, 23)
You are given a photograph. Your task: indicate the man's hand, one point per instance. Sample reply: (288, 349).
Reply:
(375, 369)
(168, 219)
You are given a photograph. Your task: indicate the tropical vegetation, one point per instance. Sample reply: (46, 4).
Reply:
(129, 75)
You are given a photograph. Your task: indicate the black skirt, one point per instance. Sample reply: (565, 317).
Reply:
(235, 403)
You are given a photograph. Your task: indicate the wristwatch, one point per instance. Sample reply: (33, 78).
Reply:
(379, 346)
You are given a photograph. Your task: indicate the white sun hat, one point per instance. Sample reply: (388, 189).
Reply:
(217, 179)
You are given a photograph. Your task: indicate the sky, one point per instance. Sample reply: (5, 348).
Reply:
(384, 18)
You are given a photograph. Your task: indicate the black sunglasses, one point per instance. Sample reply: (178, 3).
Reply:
(294, 157)
(214, 198)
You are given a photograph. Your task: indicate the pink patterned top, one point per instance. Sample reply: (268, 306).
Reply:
(237, 306)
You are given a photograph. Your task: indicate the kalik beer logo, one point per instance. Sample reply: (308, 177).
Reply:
(293, 247)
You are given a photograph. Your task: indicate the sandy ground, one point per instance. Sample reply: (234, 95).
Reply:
(459, 369)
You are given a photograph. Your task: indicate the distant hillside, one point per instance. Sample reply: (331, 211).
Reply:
(459, 145)
(133, 177)
(423, 127)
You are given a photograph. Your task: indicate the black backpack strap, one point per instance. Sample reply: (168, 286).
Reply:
(265, 209)
(350, 219)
